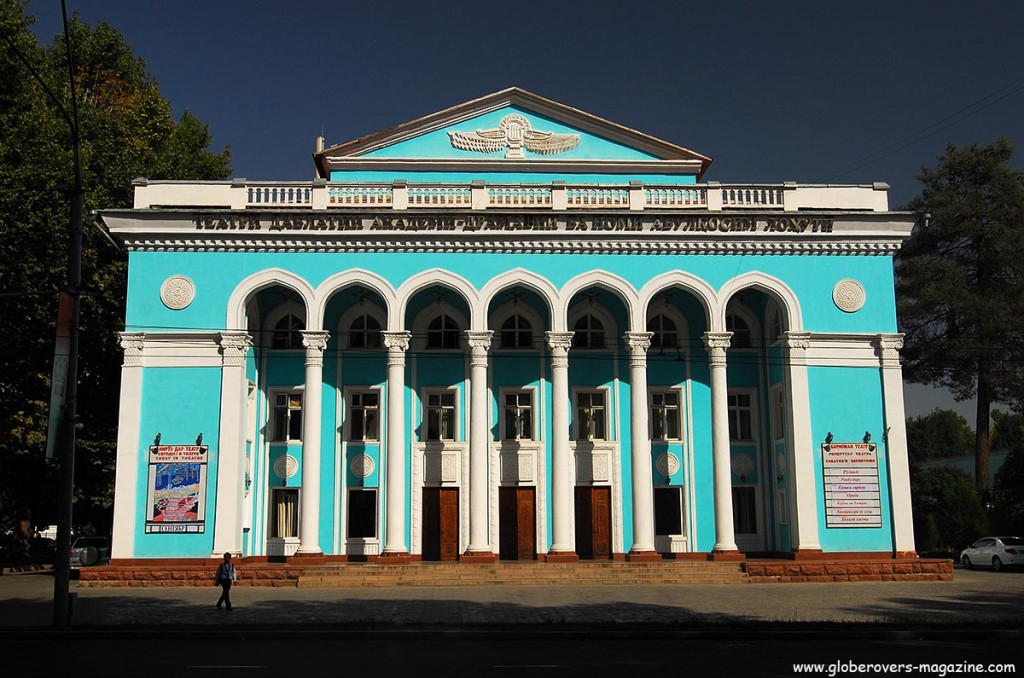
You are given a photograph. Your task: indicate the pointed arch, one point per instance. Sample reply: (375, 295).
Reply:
(436, 276)
(245, 290)
(518, 276)
(773, 287)
(617, 285)
(355, 276)
(698, 287)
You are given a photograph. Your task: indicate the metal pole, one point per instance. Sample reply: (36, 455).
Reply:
(65, 496)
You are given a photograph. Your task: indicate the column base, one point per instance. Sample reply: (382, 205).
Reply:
(308, 558)
(727, 556)
(394, 558)
(562, 557)
(807, 554)
(483, 557)
(643, 557)
(900, 555)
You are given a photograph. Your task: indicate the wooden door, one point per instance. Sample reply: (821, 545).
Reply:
(517, 523)
(440, 523)
(593, 522)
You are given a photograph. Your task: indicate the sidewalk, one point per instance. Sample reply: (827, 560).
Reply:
(975, 598)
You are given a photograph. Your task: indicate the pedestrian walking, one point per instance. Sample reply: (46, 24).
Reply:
(225, 577)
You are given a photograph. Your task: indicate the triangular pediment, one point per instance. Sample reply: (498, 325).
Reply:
(512, 128)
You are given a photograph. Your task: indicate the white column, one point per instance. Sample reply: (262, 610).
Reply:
(725, 536)
(128, 452)
(479, 546)
(563, 542)
(227, 533)
(397, 344)
(312, 399)
(798, 411)
(640, 444)
(895, 440)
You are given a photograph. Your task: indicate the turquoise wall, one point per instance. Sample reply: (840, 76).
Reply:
(832, 391)
(179, 403)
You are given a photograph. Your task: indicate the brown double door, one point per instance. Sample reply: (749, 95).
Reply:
(440, 523)
(594, 522)
(517, 520)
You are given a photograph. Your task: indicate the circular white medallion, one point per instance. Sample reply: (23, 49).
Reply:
(849, 295)
(177, 292)
(667, 464)
(742, 465)
(361, 466)
(286, 466)
(780, 462)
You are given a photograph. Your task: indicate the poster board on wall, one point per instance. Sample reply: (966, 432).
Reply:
(177, 489)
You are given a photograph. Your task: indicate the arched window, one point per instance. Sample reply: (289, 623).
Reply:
(665, 333)
(516, 332)
(741, 335)
(443, 332)
(288, 332)
(589, 333)
(364, 332)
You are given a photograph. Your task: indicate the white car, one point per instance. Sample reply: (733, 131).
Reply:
(997, 552)
(89, 551)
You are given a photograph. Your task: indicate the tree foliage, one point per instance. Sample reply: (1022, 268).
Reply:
(1008, 491)
(939, 435)
(127, 129)
(948, 513)
(959, 282)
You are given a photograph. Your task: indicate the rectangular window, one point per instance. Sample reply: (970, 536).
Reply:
(441, 416)
(364, 416)
(519, 415)
(668, 510)
(744, 510)
(665, 415)
(590, 415)
(287, 417)
(284, 513)
(362, 513)
(740, 417)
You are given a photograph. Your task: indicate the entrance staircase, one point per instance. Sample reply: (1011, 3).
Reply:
(612, 573)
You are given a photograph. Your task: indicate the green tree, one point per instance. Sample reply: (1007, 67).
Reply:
(127, 130)
(948, 513)
(1007, 429)
(959, 283)
(1008, 491)
(939, 435)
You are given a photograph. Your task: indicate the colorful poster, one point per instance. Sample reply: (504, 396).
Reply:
(177, 488)
(852, 493)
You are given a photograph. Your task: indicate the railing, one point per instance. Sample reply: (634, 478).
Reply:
(400, 195)
(598, 198)
(519, 197)
(278, 196)
(359, 196)
(675, 198)
(761, 197)
(443, 196)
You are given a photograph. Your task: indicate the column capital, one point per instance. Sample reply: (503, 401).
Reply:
(638, 343)
(397, 343)
(888, 347)
(796, 344)
(132, 344)
(233, 348)
(559, 343)
(717, 343)
(478, 343)
(315, 342)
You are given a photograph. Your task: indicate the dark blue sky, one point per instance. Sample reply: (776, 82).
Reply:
(804, 91)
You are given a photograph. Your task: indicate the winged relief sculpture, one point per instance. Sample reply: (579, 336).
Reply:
(514, 132)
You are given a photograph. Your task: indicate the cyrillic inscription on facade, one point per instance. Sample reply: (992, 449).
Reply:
(852, 496)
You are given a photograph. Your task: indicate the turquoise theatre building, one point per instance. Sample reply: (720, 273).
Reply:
(510, 330)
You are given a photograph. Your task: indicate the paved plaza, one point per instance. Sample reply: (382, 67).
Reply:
(974, 598)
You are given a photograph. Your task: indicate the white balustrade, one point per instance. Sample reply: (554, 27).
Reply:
(598, 198)
(518, 197)
(359, 196)
(760, 197)
(440, 196)
(675, 198)
(278, 196)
